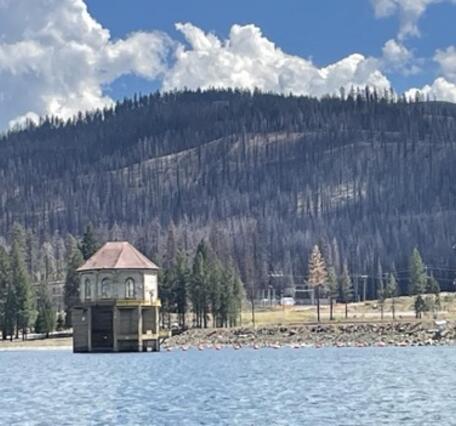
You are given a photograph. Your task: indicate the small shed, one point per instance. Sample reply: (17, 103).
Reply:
(119, 305)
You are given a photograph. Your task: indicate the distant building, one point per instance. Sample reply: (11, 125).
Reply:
(119, 304)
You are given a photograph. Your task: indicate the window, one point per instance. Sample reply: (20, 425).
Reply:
(105, 288)
(130, 288)
(87, 289)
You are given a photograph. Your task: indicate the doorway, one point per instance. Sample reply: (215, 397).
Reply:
(102, 329)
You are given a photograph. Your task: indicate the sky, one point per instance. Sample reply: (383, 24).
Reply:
(58, 57)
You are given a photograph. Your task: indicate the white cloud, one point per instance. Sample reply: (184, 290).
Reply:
(441, 89)
(249, 60)
(444, 87)
(410, 11)
(447, 61)
(55, 59)
(396, 57)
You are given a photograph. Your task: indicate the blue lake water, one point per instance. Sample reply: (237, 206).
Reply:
(330, 386)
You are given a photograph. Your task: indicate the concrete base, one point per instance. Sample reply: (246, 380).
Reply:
(113, 327)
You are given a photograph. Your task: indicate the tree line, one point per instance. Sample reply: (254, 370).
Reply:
(25, 303)
(208, 288)
(20, 308)
(322, 277)
(205, 287)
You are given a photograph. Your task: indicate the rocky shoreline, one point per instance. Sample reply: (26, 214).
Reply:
(318, 335)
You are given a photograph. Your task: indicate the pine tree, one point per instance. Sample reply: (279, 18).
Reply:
(318, 275)
(166, 282)
(381, 293)
(237, 297)
(71, 290)
(60, 325)
(332, 288)
(391, 291)
(10, 312)
(433, 287)
(181, 277)
(418, 276)
(226, 298)
(199, 291)
(45, 320)
(420, 306)
(215, 293)
(345, 288)
(381, 297)
(89, 244)
(4, 286)
(22, 289)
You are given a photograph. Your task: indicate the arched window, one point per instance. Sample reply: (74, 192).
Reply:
(105, 288)
(130, 288)
(87, 289)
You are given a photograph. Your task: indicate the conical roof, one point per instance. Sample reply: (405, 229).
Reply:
(118, 255)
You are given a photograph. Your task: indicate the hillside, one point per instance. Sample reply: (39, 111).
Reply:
(263, 177)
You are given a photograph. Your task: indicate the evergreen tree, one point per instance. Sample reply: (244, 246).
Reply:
(381, 293)
(45, 320)
(391, 291)
(318, 274)
(22, 289)
(89, 244)
(60, 325)
(345, 288)
(10, 312)
(226, 299)
(420, 306)
(215, 293)
(381, 297)
(433, 287)
(332, 288)
(199, 291)
(237, 297)
(182, 277)
(71, 289)
(418, 276)
(166, 282)
(4, 286)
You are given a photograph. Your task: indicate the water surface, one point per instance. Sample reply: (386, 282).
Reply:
(330, 386)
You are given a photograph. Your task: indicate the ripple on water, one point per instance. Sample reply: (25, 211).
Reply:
(369, 386)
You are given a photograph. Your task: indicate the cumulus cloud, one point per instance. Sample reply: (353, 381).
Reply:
(441, 89)
(444, 87)
(447, 61)
(55, 59)
(410, 11)
(396, 57)
(248, 60)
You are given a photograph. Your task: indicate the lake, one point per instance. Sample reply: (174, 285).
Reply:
(345, 386)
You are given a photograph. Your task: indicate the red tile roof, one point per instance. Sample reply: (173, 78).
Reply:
(117, 255)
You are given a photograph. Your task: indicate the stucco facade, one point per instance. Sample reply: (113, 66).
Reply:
(119, 303)
(118, 284)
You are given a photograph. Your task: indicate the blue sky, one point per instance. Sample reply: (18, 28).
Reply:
(324, 30)
(58, 57)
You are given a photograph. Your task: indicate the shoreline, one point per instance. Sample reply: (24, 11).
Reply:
(400, 334)
(375, 334)
(60, 343)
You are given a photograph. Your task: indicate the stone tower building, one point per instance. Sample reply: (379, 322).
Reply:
(119, 303)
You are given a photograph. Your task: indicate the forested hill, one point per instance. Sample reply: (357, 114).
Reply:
(263, 177)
